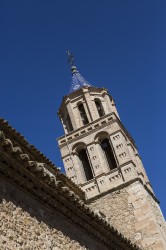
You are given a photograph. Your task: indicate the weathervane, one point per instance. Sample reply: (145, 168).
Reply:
(70, 58)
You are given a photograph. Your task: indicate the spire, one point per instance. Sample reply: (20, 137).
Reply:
(77, 80)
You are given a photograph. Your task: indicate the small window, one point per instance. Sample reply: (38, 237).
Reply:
(106, 147)
(99, 107)
(83, 114)
(85, 164)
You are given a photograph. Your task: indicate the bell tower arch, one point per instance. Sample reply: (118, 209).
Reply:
(100, 156)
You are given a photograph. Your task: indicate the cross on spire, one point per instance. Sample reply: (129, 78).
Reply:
(70, 58)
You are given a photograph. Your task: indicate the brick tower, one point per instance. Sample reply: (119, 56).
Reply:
(101, 157)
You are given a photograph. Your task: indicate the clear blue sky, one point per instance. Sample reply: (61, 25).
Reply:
(120, 45)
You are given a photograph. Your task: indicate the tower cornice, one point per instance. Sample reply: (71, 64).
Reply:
(89, 129)
(78, 92)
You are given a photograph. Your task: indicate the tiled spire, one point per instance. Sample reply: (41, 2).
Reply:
(77, 80)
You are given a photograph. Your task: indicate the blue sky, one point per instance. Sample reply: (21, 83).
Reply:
(119, 45)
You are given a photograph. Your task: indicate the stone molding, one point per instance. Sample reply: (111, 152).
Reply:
(71, 137)
(76, 93)
(121, 186)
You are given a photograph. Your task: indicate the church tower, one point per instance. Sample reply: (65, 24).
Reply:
(101, 157)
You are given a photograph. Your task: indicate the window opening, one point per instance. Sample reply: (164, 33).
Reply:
(85, 163)
(68, 124)
(83, 114)
(99, 108)
(105, 144)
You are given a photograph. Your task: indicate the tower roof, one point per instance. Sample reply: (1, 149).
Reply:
(77, 80)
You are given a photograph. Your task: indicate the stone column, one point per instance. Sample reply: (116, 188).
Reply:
(89, 105)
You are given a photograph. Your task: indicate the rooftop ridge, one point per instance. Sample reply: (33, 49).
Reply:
(36, 155)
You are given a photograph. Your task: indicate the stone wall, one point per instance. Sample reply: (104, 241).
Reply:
(134, 212)
(26, 224)
(40, 208)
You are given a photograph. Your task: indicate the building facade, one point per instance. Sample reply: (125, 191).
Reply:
(42, 209)
(104, 202)
(101, 157)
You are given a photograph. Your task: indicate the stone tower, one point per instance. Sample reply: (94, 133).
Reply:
(101, 157)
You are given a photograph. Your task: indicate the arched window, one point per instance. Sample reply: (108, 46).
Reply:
(83, 114)
(67, 122)
(99, 107)
(106, 147)
(85, 163)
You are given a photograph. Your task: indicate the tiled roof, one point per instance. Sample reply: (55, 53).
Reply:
(77, 80)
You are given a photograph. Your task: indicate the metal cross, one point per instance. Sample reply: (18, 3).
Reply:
(70, 58)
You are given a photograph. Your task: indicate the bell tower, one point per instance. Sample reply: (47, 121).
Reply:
(101, 157)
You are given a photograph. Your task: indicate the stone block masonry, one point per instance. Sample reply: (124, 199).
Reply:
(27, 225)
(135, 214)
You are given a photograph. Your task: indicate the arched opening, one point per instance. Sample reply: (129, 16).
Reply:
(85, 163)
(106, 147)
(99, 107)
(67, 122)
(83, 114)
